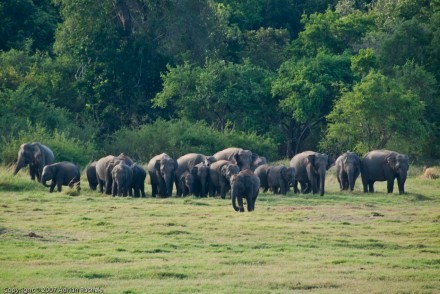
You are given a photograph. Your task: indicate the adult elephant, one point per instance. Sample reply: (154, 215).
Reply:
(245, 159)
(246, 185)
(91, 175)
(104, 168)
(262, 171)
(161, 169)
(186, 163)
(62, 174)
(220, 173)
(384, 165)
(310, 169)
(348, 168)
(36, 155)
(280, 178)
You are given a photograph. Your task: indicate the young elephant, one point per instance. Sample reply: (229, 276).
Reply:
(122, 177)
(348, 168)
(186, 183)
(384, 165)
(244, 184)
(91, 175)
(62, 174)
(280, 178)
(262, 172)
(201, 179)
(138, 180)
(220, 173)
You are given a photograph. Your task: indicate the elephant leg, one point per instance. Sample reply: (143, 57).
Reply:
(401, 186)
(240, 204)
(52, 186)
(249, 201)
(59, 185)
(283, 190)
(114, 189)
(32, 172)
(143, 190)
(305, 187)
(390, 185)
(295, 187)
(371, 186)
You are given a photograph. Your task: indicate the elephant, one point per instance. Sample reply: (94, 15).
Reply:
(220, 173)
(200, 173)
(186, 184)
(62, 174)
(280, 178)
(244, 184)
(310, 169)
(161, 169)
(187, 162)
(348, 168)
(122, 177)
(104, 167)
(245, 159)
(138, 181)
(262, 172)
(384, 165)
(36, 155)
(91, 175)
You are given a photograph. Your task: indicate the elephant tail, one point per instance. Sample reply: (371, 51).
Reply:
(234, 197)
(76, 179)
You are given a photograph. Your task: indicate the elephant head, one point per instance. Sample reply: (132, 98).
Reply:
(47, 175)
(318, 164)
(209, 160)
(288, 175)
(165, 168)
(28, 154)
(201, 174)
(189, 182)
(230, 169)
(399, 164)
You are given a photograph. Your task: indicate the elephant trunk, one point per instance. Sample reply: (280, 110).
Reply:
(19, 165)
(350, 177)
(322, 182)
(168, 184)
(234, 197)
(401, 182)
(43, 181)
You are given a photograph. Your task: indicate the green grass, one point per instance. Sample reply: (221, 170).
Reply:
(339, 243)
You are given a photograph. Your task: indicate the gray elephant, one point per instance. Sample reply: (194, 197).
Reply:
(91, 175)
(36, 155)
(161, 169)
(186, 184)
(262, 172)
(280, 178)
(138, 182)
(187, 162)
(62, 174)
(220, 173)
(104, 168)
(245, 159)
(244, 184)
(384, 165)
(310, 169)
(348, 168)
(122, 177)
(200, 173)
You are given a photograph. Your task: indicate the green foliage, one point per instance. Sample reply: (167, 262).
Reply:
(378, 112)
(224, 94)
(65, 148)
(179, 137)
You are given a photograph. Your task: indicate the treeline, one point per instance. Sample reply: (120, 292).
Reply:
(275, 76)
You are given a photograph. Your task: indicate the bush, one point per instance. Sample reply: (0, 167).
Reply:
(65, 148)
(179, 137)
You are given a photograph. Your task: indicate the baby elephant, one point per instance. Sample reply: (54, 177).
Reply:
(138, 180)
(244, 184)
(280, 178)
(186, 182)
(62, 174)
(122, 176)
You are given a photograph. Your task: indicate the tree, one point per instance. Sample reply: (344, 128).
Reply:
(224, 94)
(306, 91)
(377, 112)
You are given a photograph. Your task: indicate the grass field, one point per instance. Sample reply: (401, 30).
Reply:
(339, 243)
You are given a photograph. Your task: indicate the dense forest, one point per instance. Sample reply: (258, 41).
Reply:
(90, 77)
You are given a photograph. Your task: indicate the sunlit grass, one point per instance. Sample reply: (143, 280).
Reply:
(341, 242)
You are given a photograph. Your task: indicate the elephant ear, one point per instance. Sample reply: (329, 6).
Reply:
(209, 160)
(311, 159)
(391, 161)
(236, 158)
(285, 173)
(194, 171)
(157, 165)
(37, 153)
(330, 162)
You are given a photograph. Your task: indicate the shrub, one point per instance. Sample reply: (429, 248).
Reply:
(178, 137)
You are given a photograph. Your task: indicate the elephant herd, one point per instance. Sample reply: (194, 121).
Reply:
(243, 172)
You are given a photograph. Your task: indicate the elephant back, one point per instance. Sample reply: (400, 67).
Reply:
(47, 156)
(102, 166)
